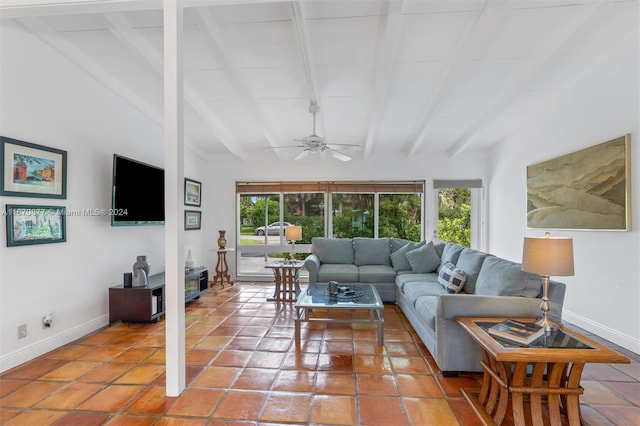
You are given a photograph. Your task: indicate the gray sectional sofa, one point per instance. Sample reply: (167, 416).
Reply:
(414, 275)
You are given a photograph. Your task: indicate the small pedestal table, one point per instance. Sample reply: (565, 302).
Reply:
(222, 268)
(287, 275)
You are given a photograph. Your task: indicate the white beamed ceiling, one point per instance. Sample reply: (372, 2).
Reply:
(398, 78)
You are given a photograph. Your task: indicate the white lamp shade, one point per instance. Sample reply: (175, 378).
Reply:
(549, 256)
(293, 233)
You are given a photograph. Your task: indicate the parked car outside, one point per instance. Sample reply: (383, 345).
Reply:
(273, 229)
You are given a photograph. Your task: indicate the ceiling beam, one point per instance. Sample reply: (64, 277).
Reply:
(30, 8)
(389, 25)
(510, 92)
(218, 46)
(302, 34)
(123, 31)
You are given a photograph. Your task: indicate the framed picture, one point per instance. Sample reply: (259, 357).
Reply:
(588, 189)
(30, 170)
(27, 225)
(192, 219)
(192, 191)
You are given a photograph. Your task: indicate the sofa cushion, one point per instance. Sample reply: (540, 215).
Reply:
(470, 261)
(338, 272)
(403, 278)
(371, 251)
(376, 274)
(423, 259)
(414, 290)
(399, 258)
(426, 307)
(501, 277)
(333, 250)
(450, 253)
(452, 278)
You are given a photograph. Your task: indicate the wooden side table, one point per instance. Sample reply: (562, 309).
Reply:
(222, 269)
(287, 275)
(549, 369)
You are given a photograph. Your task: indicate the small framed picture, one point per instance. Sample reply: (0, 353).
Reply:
(30, 170)
(192, 219)
(27, 225)
(192, 191)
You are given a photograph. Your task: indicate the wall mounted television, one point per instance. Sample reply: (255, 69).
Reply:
(137, 193)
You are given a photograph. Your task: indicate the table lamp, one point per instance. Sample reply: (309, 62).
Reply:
(293, 233)
(547, 256)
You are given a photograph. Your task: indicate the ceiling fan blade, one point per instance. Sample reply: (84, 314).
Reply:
(302, 154)
(280, 147)
(340, 156)
(350, 146)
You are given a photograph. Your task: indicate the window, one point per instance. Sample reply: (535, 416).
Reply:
(352, 215)
(322, 209)
(400, 216)
(458, 211)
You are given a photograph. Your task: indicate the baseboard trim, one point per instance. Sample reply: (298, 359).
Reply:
(608, 333)
(41, 347)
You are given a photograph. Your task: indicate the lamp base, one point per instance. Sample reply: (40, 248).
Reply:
(547, 325)
(544, 307)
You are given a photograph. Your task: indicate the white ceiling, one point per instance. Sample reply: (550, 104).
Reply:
(398, 78)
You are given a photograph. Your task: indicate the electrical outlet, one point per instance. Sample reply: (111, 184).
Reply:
(47, 320)
(22, 331)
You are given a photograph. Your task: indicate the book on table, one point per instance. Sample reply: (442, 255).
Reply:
(517, 331)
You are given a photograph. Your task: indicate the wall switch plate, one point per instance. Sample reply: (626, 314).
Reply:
(22, 331)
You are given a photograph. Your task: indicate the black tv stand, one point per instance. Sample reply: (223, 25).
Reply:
(147, 304)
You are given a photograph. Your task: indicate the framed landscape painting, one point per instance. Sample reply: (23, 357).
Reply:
(30, 170)
(588, 189)
(192, 191)
(27, 225)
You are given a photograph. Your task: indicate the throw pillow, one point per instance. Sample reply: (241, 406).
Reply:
(452, 278)
(399, 258)
(424, 259)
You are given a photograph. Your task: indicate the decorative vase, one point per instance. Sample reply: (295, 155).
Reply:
(142, 263)
(139, 278)
(190, 262)
(222, 240)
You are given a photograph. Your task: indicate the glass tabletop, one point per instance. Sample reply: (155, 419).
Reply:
(557, 339)
(348, 296)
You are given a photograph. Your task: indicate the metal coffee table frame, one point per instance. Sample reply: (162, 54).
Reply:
(316, 297)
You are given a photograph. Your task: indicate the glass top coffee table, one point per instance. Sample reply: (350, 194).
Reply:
(349, 297)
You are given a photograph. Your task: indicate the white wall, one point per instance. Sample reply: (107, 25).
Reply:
(604, 295)
(71, 279)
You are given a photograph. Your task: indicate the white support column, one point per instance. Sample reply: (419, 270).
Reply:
(174, 196)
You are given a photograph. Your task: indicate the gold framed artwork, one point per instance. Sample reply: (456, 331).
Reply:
(588, 189)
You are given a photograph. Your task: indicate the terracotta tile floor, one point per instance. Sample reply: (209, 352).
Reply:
(243, 368)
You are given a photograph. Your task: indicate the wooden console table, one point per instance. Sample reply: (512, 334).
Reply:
(287, 275)
(222, 269)
(549, 369)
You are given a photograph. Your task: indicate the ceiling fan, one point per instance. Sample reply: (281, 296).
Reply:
(314, 143)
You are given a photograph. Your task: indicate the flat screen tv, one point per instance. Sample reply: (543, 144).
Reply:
(137, 193)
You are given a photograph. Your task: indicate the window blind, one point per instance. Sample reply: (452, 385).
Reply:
(331, 186)
(464, 183)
